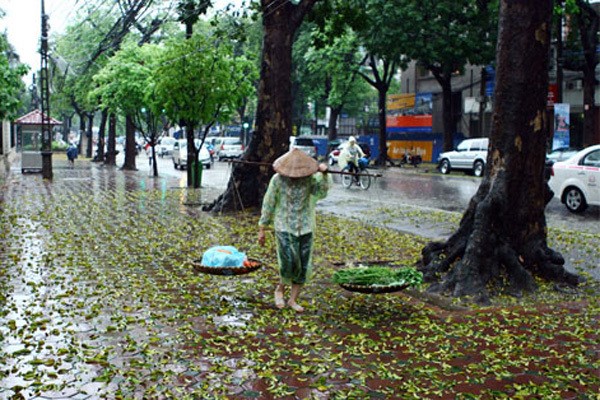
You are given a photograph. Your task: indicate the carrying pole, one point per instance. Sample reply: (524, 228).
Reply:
(329, 171)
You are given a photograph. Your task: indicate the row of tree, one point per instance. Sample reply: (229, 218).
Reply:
(442, 36)
(341, 49)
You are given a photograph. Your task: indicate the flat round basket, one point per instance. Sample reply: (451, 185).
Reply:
(373, 289)
(227, 271)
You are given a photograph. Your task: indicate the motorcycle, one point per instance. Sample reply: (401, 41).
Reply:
(413, 160)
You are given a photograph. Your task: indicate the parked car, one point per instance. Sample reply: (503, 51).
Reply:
(179, 154)
(560, 154)
(576, 181)
(333, 156)
(228, 147)
(305, 144)
(470, 156)
(165, 146)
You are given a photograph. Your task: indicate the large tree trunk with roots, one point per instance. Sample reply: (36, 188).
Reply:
(502, 237)
(248, 182)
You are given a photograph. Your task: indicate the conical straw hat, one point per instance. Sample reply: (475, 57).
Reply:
(296, 164)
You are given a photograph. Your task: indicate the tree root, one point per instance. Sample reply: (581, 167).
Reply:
(452, 267)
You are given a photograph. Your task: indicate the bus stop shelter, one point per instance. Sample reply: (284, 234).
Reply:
(29, 139)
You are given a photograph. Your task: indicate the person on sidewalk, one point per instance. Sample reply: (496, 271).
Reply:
(289, 205)
(72, 154)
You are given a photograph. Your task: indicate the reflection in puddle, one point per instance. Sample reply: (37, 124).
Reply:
(238, 320)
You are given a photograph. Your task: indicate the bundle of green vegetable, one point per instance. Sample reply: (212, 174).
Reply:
(378, 276)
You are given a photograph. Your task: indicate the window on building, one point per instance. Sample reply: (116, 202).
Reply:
(423, 72)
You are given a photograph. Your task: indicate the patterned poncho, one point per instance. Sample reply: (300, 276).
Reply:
(289, 203)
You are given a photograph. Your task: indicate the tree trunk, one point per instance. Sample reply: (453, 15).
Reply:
(81, 132)
(192, 157)
(111, 150)
(588, 22)
(333, 118)
(381, 82)
(101, 133)
(447, 112)
(90, 135)
(382, 90)
(502, 237)
(248, 182)
(589, 106)
(130, 147)
(482, 103)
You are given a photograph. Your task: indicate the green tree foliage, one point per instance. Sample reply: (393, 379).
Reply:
(244, 34)
(189, 12)
(200, 81)
(442, 36)
(11, 85)
(382, 53)
(126, 85)
(331, 68)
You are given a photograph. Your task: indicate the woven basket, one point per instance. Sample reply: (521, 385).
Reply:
(226, 271)
(377, 289)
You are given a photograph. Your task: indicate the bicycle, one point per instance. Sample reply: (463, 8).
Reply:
(361, 178)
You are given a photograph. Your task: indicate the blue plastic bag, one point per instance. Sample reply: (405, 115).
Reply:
(363, 162)
(223, 256)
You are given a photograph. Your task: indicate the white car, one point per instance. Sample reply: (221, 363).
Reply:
(165, 146)
(305, 144)
(470, 156)
(179, 154)
(334, 154)
(228, 147)
(576, 181)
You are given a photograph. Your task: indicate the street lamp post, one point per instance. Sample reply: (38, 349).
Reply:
(45, 101)
(245, 132)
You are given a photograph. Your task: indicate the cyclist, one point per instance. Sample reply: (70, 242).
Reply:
(350, 156)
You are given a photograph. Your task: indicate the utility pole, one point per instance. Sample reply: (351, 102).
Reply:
(45, 100)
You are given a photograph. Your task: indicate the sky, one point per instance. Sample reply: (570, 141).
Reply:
(22, 23)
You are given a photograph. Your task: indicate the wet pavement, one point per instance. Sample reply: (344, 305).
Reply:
(98, 300)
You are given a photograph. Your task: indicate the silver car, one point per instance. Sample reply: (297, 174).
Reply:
(305, 144)
(179, 154)
(228, 147)
(470, 156)
(165, 146)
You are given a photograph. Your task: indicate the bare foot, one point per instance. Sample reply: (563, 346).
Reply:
(279, 303)
(297, 307)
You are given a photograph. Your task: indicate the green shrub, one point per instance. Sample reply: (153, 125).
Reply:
(59, 146)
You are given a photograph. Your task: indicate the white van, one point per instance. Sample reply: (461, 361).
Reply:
(470, 156)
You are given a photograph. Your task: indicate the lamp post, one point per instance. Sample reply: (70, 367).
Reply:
(45, 101)
(245, 138)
